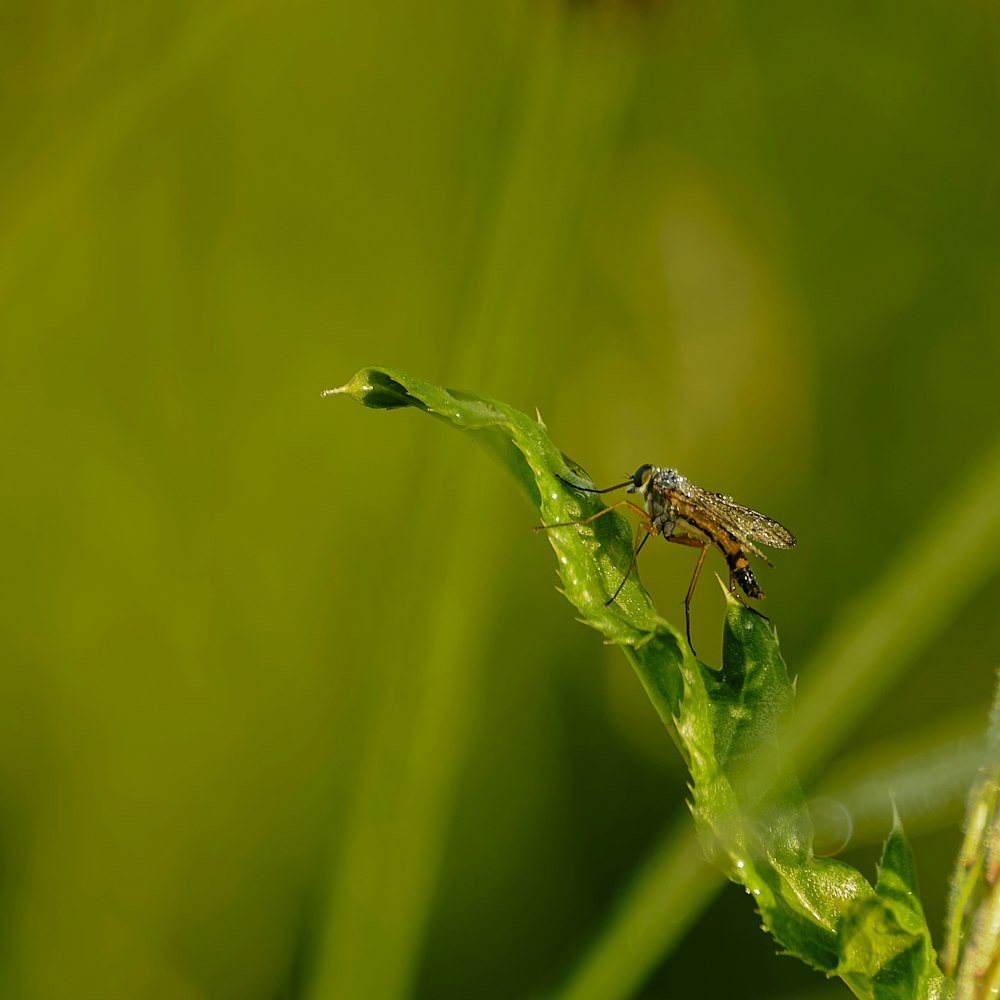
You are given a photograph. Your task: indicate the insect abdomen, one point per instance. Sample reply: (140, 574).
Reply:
(743, 574)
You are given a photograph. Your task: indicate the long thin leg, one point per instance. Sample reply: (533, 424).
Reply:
(644, 525)
(594, 517)
(698, 544)
(636, 549)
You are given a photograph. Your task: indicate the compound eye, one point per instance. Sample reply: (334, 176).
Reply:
(642, 475)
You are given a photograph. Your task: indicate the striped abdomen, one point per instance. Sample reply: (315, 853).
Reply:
(710, 526)
(739, 566)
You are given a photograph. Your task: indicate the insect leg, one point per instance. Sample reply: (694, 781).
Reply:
(698, 544)
(594, 517)
(637, 545)
(644, 530)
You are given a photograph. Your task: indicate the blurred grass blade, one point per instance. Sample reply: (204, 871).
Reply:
(573, 82)
(668, 894)
(972, 942)
(877, 638)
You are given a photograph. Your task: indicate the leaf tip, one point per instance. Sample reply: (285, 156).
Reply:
(358, 386)
(379, 389)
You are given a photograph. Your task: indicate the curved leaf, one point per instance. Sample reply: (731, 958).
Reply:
(747, 804)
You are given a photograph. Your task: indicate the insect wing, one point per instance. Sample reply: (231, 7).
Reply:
(750, 524)
(718, 514)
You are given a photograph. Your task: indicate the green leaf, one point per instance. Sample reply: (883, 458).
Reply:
(886, 949)
(590, 559)
(747, 799)
(749, 809)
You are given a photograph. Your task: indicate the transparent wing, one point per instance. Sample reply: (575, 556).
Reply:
(746, 524)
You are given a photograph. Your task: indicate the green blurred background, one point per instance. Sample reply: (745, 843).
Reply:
(288, 704)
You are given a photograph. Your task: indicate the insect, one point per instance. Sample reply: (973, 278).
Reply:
(683, 513)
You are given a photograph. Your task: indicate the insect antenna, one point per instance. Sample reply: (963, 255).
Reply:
(590, 489)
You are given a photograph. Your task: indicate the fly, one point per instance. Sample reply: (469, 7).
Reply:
(688, 515)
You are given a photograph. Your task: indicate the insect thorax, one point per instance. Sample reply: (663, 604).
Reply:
(668, 479)
(658, 506)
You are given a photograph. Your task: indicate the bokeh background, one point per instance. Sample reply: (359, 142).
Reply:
(289, 707)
